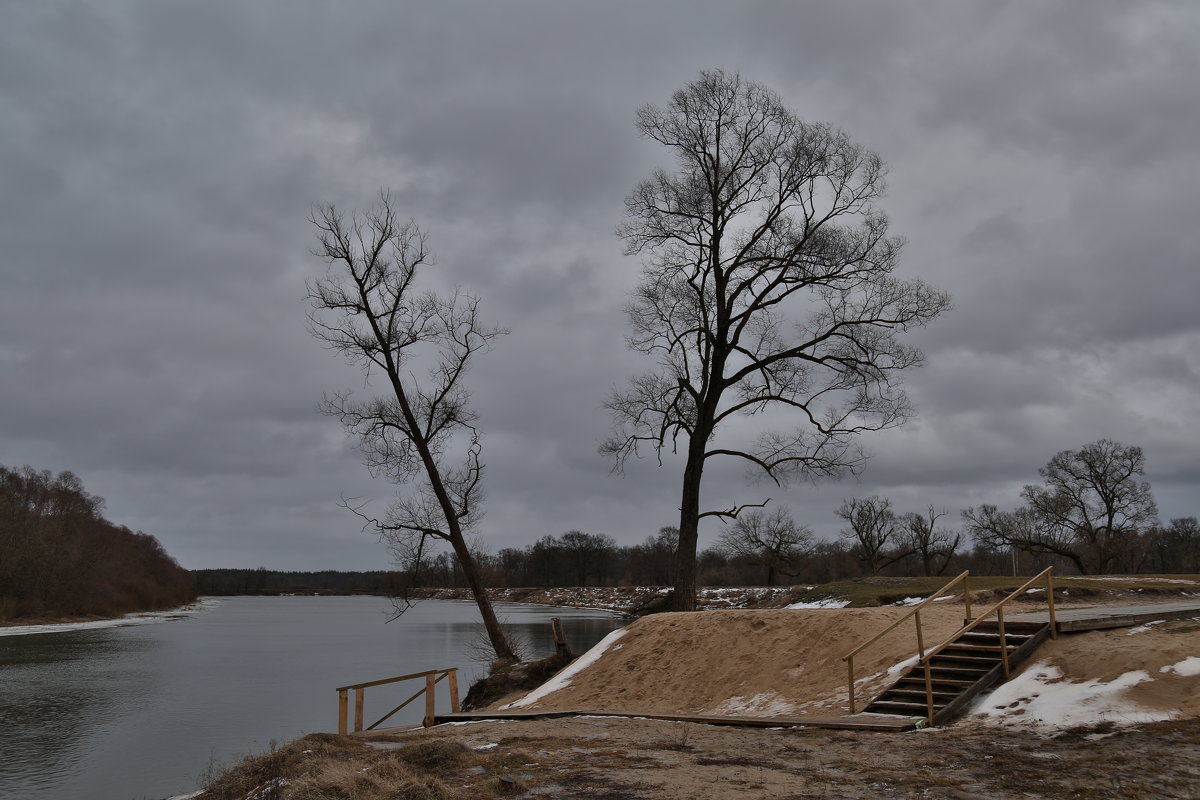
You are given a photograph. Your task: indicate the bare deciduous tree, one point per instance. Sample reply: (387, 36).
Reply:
(419, 433)
(767, 284)
(1090, 509)
(933, 545)
(874, 533)
(771, 539)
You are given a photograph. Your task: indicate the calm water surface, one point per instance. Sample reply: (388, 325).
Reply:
(143, 711)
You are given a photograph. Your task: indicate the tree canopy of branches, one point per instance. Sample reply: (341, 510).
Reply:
(934, 546)
(771, 539)
(420, 433)
(767, 284)
(60, 556)
(1090, 509)
(873, 533)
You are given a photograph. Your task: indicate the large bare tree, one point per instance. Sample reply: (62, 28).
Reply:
(417, 432)
(1090, 509)
(767, 284)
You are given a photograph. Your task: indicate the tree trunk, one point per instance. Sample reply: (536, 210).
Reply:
(683, 598)
(470, 570)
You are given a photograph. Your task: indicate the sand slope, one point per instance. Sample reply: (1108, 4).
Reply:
(768, 663)
(760, 663)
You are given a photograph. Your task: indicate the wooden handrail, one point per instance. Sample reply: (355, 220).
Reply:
(914, 612)
(1047, 573)
(432, 678)
(998, 610)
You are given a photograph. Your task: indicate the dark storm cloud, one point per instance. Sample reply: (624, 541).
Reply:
(159, 162)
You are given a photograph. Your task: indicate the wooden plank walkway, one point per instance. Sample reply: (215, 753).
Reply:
(1071, 620)
(856, 722)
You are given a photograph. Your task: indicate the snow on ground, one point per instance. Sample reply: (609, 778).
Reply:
(1146, 627)
(151, 618)
(765, 704)
(916, 601)
(1129, 579)
(563, 678)
(1188, 668)
(1040, 697)
(828, 602)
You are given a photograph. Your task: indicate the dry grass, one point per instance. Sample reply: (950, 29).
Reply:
(621, 760)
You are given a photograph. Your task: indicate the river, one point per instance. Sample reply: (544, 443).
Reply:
(145, 711)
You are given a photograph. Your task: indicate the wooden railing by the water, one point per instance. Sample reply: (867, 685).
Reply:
(916, 613)
(432, 678)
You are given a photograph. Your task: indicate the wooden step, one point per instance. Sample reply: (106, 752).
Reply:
(915, 695)
(975, 637)
(894, 707)
(919, 680)
(957, 662)
(981, 649)
(992, 626)
(970, 674)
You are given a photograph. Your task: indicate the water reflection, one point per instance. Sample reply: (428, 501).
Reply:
(139, 711)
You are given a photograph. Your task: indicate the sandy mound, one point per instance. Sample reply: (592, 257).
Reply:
(752, 663)
(1124, 675)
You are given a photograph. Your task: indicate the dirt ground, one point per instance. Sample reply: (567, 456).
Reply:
(584, 758)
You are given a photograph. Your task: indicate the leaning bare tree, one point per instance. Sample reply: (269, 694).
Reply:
(419, 433)
(767, 283)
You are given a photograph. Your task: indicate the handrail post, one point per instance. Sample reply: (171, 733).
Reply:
(920, 638)
(359, 695)
(967, 598)
(429, 701)
(929, 693)
(453, 674)
(850, 675)
(1003, 640)
(1050, 599)
(343, 698)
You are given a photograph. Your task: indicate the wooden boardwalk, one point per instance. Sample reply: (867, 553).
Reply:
(854, 722)
(1072, 620)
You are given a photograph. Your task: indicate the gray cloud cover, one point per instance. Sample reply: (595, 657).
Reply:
(159, 160)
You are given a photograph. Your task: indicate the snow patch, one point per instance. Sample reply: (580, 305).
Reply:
(1041, 696)
(149, 618)
(1188, 668)
(828, 602)
(563, 679)
(766, 704)
(1127, 579)
(1144, 628)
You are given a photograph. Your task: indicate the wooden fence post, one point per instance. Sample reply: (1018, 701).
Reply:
(343, 698)
(430, 688)
(453, 681)
(359, 695)
(561, 648)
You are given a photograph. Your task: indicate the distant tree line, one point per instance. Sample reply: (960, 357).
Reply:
(265, 581)
(60, 557)
(1090, 515)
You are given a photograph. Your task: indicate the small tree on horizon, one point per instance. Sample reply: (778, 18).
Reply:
(1091, 508)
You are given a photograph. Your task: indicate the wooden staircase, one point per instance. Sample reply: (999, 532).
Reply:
(960, 670)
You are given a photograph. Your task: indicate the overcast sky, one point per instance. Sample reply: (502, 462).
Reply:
(158, 162)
